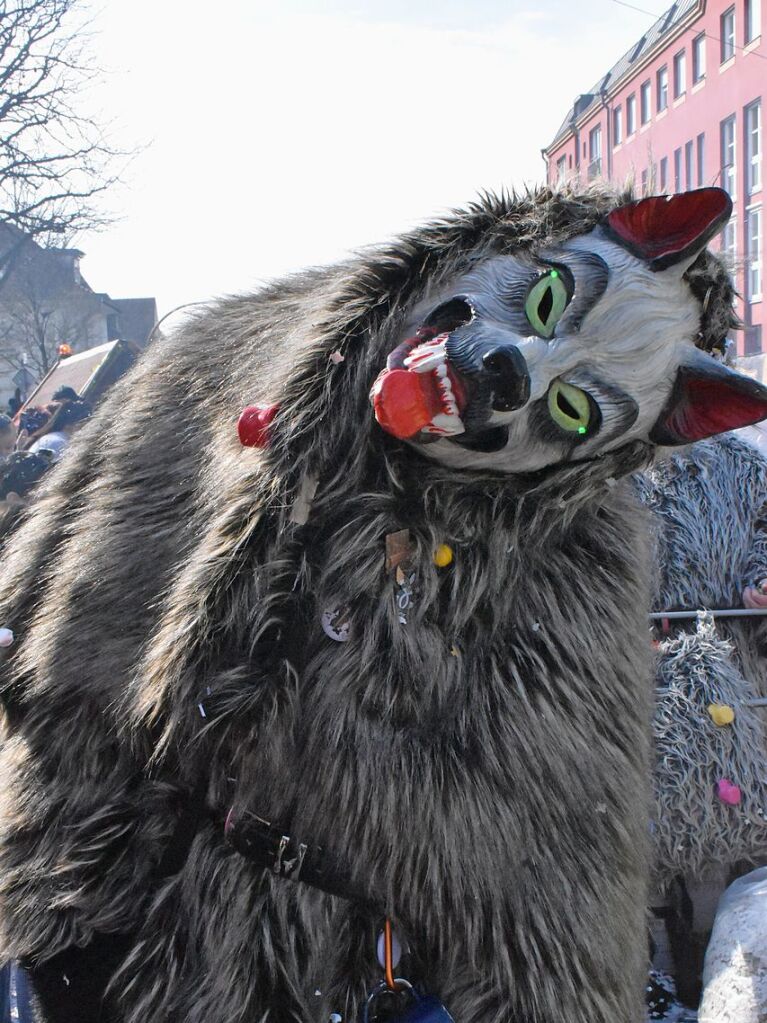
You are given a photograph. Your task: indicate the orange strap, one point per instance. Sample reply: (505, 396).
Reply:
(388, 956)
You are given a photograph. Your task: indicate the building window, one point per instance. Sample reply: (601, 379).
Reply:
(688, 175)
(662, 90)
(753, 126)
(680, 74)
(727, 35)
(752, 20)
(752, 341)
(699, 58)
(677, 170)
(701, 145)
(663, 173)
(595, 152)
(561, 169)
(729, 247)
(617, 126)
(727, 162)
(754, 254)
(644, 102)
(631, 114)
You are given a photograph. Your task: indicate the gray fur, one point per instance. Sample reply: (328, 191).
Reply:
(709, 503)
(693, 830)
(483, 766)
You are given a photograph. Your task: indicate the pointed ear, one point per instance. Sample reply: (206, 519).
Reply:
(708, 398)
(667, 229)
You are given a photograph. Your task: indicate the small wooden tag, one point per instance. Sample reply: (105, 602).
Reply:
(399, 550)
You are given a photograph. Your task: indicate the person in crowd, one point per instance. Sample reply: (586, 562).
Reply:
(66, 419)
(7, 438)
(18, 477)
(15, 403)
(31, 424)
(66, 393)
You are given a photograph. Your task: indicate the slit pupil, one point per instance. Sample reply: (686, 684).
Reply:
(565, 407)
(545, 306)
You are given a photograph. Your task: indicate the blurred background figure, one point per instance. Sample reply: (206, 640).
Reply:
(7, 439)
(20, 473)
(18, 477)
(15, 403)
(65, 420)
(31, 422)
(66, 393)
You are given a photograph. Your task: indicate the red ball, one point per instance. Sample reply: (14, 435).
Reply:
(253, 426)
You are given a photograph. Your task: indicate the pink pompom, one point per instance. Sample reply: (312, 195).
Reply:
(6, 637)
(728, 793)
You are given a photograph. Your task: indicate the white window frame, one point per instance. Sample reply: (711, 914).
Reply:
(752, 126)
(728, 154)
(617, 126)
(645, 102)
(700, 153)
(727, 35)
(699, 58)
(752, 20)
(561, 167)
(631, 114)
(661, 88)
(595, 151)
(754, 282)
(678, 170)
(680, 74)
(729, 242)
(663, 173)
(689, 156)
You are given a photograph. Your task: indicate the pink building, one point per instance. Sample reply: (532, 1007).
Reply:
(683, 109)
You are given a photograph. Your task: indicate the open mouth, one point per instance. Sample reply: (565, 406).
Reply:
(493, 439)
(420, 395)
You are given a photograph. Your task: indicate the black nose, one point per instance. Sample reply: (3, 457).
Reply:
(510, 379)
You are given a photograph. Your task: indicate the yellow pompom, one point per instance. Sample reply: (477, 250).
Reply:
(721, 714)
(443, 556)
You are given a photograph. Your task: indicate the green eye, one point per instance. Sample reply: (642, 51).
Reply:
(570, 407)
(546, 302)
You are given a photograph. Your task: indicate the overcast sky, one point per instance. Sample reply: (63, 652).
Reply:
(287, 133)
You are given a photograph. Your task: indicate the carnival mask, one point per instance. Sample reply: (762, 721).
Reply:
(561, 353)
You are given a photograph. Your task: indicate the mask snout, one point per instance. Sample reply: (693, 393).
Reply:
(509, 379)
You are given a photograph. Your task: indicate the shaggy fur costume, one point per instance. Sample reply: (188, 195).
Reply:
(710, 511)
(483, 769)
(709, 504)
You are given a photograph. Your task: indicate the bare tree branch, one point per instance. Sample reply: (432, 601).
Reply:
(55, 164)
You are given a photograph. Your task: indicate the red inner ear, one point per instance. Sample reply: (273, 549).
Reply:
(665, 229)
(703, 406)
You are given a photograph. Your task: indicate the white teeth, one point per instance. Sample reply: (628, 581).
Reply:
(431, 357)
(446, 392)
(427, 357)
(445, 424)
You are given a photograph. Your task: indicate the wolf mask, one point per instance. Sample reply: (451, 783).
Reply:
(564, 353)
(469, 740)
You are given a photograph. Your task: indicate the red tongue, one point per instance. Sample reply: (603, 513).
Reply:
(404, 402)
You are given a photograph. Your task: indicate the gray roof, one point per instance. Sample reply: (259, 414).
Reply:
(137, 318)
(676, 13)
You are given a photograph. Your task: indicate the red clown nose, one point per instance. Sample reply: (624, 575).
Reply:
(253, 425)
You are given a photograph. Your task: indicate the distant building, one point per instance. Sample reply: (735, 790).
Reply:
(46, 302)
(682, 109)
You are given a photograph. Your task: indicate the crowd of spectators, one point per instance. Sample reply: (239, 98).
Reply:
(32, 439)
